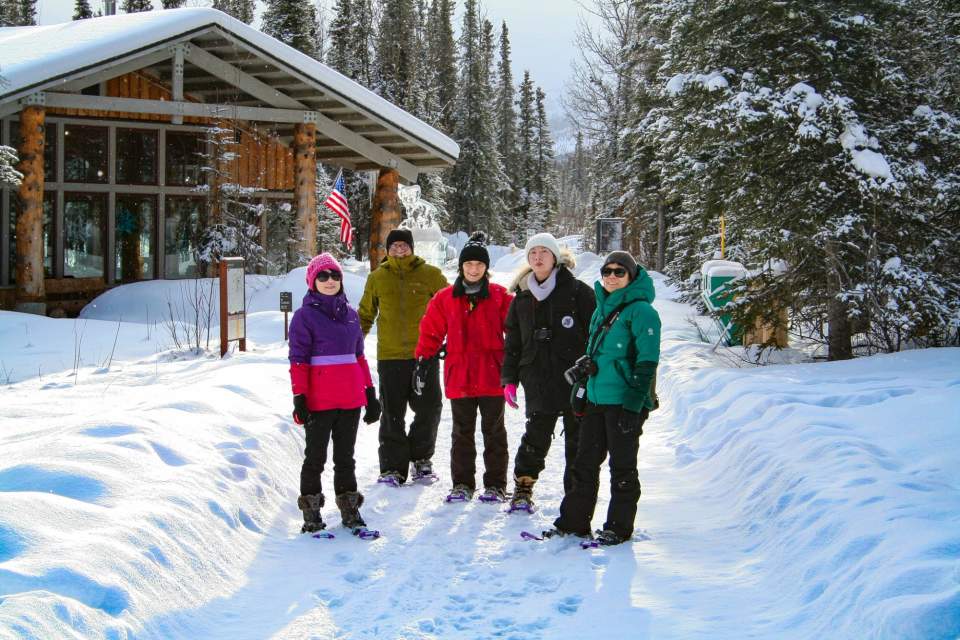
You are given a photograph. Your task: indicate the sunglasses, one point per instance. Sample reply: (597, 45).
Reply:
(323, 276)
(608, 271)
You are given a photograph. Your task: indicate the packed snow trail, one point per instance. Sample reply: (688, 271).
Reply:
(157, 499)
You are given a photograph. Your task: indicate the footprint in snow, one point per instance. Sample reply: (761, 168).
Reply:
(569, 605)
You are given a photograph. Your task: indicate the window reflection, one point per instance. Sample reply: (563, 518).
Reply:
(84, 154)
(136, 156)
(184, 219)
(134, 237)
(184, 158)
(84, 227)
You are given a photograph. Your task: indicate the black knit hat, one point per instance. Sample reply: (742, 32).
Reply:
(623, 259)
(400, 235)
(475, 249)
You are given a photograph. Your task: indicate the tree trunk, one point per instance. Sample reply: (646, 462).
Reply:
(839, 344)
(30, 292)
(305, 185)
(661, 236)
(384, 215)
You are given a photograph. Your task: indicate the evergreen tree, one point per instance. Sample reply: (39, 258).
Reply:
(476, 178)
(506, 121)
(137, 6)
(526, 159)
(340, 51)
(442, 77)
(544, 183)
(82, 10)
(240, 9)
(292, 22)
(176, 4)
(396, 72)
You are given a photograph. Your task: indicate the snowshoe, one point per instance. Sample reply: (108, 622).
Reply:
(391, 478)
(460, 493)
(423, 472)
(492, 495)
(365, 534)
(607, 538)
(518, 503)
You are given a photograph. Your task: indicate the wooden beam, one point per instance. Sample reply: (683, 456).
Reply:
(240, 79)
(29, 277)
(105, 73)
(304, 186)
(384, 215)
(177, 82)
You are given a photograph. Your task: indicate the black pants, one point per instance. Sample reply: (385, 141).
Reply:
(600, 434)
(342, 425)
(535, 444)
(463, 451)
(397, 448)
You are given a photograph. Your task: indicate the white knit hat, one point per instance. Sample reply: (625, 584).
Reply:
(545, 240)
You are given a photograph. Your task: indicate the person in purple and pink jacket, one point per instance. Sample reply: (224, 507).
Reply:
(331, 382)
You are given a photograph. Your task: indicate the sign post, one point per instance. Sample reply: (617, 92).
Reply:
(233, 304)
(609, 235)
(286, 305)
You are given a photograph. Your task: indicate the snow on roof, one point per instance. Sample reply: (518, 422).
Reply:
(32, 57)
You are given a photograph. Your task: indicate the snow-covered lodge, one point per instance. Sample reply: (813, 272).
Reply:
(109, 117)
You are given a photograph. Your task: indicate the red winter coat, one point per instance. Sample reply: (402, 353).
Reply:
(474, 340)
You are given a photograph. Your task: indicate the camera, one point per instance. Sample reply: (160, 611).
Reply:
(543, 334)
(583, 368)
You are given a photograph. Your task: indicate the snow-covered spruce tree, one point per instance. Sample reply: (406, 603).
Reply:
(233, 228)
(293, 22)
(240, 9)
(526, 160)
(396, 73)
(82, 10)
(545, 179)
(476, 178)
(789, 121)
(506, 123)
(137, 6)
(176, 4)
(443, 55)
(573, 190)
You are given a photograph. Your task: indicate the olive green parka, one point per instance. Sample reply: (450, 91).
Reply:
(396, 297)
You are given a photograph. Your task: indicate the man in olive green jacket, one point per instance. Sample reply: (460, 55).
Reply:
(396, 296)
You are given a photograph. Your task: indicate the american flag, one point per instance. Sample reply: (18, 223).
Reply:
(337, 202)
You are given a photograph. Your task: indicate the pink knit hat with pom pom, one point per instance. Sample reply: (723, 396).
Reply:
(322, 262)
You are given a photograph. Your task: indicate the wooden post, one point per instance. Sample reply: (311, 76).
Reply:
(30, 292)
(304, 186)
(384, 215)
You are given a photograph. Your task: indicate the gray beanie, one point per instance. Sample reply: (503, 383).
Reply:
(625, 260)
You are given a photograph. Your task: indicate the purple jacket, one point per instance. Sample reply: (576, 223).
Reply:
(326, 354)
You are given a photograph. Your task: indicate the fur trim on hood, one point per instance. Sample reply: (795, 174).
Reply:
(519, 282)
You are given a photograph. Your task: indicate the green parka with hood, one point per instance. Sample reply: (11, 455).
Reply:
(628, 356)
(396, 296)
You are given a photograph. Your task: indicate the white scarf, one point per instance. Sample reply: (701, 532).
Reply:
(541, 291)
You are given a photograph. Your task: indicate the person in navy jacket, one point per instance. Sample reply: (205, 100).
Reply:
(331, 382)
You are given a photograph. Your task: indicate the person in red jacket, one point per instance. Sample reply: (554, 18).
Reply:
(471, 314)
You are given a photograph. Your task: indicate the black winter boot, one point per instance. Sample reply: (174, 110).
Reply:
(349, 505)
(522, 499)
(311, 505)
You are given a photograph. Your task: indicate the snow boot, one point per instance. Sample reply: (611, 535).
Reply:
(391, 478)
(522, 499)
(311, 505)
(493, 494)
(607, 538)
(349, 505)
(423, 471)
(460, 493)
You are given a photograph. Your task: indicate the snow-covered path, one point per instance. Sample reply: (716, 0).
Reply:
(157, 500)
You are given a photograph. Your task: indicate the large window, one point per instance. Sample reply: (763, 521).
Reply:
(84, 234)
(136, 156)
(49, 148)
(184, 158)
(184, 221)
(49, 206)
(135, 237)
(84, 154)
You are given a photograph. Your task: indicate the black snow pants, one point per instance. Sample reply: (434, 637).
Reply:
(463, 451)
(535, 444)
(397, 448)
(341, 424)
(600, 433)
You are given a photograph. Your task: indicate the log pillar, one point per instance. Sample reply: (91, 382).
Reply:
(30, 292)
(304, 185)
(385, 214)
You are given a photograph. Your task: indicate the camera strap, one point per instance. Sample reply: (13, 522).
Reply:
(605, 326)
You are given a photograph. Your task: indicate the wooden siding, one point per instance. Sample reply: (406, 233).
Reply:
(263, 161)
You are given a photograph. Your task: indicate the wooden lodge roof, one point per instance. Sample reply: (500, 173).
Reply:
(227, 70)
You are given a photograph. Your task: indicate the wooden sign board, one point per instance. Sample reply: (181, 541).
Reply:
(233, 304)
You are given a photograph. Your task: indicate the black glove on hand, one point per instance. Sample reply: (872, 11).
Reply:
(631, 422)
(300, 412)
(372, 413)
(420, 375)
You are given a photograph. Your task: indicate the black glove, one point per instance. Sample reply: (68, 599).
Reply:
(419, 381)
(372, 413)
(300, 412)
(631, 422)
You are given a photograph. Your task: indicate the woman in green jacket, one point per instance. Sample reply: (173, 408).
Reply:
(619, 398)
